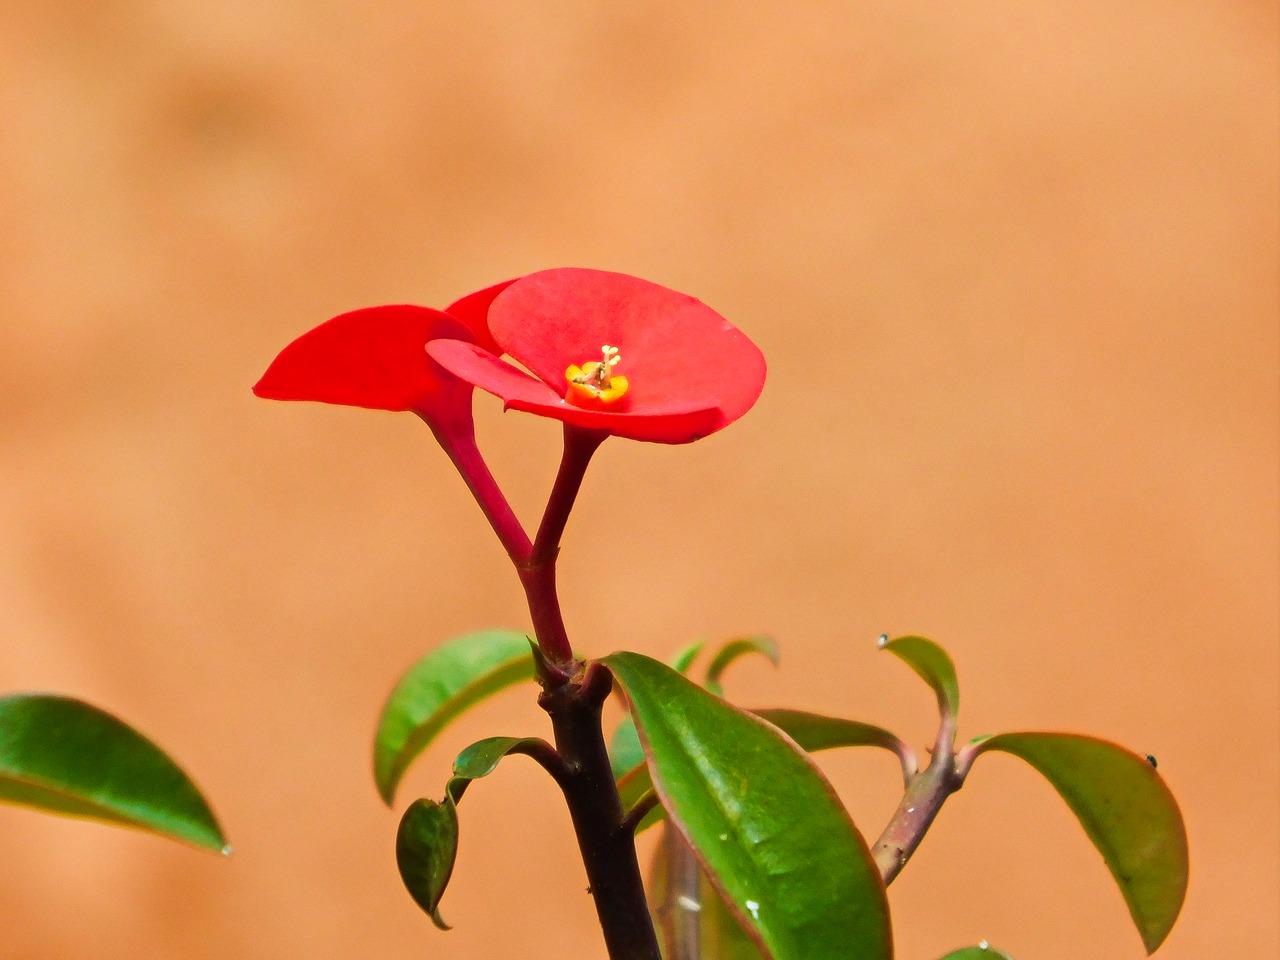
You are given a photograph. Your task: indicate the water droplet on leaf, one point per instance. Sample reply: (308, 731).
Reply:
(688, 903)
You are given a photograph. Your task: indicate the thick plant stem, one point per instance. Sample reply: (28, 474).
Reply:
(573, 696)
(604, 839)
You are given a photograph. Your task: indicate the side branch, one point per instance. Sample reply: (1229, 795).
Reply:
(926, 792)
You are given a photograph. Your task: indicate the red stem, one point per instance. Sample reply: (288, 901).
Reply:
(538, 570)
(458, 439)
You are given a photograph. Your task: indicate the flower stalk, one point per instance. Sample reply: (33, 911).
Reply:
(573, 696)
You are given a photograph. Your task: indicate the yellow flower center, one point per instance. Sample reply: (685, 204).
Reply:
(594, 383)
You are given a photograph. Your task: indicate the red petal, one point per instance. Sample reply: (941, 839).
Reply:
(482, 369)
(375, 358)
(677, 353)
(473, 310)
(520, 391)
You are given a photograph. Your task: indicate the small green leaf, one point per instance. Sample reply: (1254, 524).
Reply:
(625, 752)
(684, 657)
(482, 758)
(426, 847)
(811, 731)
(1126, 810)
(933, 665)
(734, 650)
(427, 841)
(624, 747)
(436, 690)
(980, 952)
(65, 756)
(764, 823)
(814, 732)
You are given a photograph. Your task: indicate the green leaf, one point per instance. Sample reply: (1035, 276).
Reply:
(811, 731)
(427, 841)
(761, 818)
(933, 665)
(979, 952)
(65, 756)
(624, 747)
(734, 650)
(814, 732)
(625, 752)
(426, 848)
(439, 687)
(1126, 810)
(684, 657)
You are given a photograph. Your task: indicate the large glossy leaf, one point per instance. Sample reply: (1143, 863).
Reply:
(624, 747)
(427, 841)
(766, 826)
(1128, 813)
(735, 650)
(933, 665)
(981, 952)
(436, 689)
(65, 756)
(812, 731)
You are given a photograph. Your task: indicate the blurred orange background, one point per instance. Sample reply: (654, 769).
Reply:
(1015, 270)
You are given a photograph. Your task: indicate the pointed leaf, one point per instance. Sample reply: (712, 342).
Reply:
(1128, 813)
(427, 841)
(811, 731)
(439, 687)
(934, 666)
(482, 758)
(980, 952)
(65, 756)
(734, 650)
(684, 657)
(624, 748)
(763, 821)
(426, 847)
(814, 731)
(625, 752)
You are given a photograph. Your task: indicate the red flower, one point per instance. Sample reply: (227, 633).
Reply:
(609, 352)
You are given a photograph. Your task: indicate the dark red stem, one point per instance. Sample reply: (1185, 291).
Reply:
(605, 839)
(573, 694)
